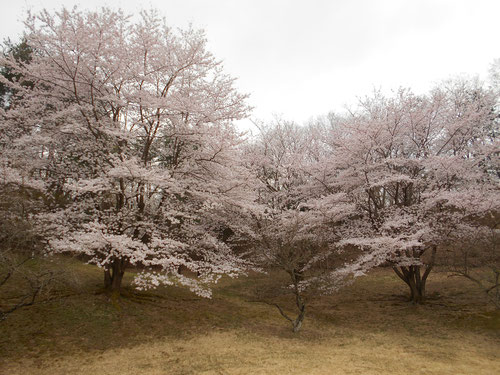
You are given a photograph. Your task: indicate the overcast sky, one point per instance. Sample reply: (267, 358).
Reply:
(301, 59)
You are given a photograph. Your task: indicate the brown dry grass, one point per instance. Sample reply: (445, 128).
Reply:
(368, 328)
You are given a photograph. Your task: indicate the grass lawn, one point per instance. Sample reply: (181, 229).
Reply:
(367, 328)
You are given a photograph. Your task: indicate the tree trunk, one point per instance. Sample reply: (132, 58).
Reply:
(297, 277)
(297, 323)
(107, 279)
(299, 301)
(113, 276)
(416, 280)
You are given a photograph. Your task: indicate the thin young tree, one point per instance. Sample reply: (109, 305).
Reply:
(291, 230)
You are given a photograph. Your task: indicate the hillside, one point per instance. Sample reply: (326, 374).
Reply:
(367, 328)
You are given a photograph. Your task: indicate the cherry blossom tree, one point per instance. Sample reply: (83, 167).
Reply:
(475, 254)
(127, 131)
(418, 170)
(494, 75)
(290, 229)
(476, 257)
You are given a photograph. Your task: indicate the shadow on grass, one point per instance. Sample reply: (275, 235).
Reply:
(91, 322)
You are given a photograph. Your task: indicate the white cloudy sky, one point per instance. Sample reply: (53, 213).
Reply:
(301, 59)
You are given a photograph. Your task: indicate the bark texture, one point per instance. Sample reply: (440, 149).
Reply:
(113, 276)
(416, 278)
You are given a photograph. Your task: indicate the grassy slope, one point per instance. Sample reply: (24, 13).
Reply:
(368, 328)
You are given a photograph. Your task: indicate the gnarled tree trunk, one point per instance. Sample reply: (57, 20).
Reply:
(415, 279)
